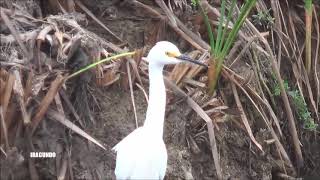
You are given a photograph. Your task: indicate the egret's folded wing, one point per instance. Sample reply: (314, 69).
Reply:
(126, 158)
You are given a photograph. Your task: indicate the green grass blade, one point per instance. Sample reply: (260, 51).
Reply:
(99, 62)
(308, 5)
(227, 24)
(244, 12)
(221, 22)
(207, 23)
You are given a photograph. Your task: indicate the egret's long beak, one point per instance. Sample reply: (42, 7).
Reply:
(187, 58)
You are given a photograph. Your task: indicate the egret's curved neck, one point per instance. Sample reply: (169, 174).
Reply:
(157, 100)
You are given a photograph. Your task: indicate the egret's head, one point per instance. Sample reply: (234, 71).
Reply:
(165, 52)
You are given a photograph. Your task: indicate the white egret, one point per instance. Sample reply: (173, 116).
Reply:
(143, 154)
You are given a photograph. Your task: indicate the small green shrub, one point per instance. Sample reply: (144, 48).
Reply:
(300, 106)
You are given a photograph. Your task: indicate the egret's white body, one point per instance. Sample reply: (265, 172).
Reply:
(143, 154)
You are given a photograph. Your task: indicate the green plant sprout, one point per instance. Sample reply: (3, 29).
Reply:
(300, 105)
(221, 44)
(277, 90)
(117, 56)
(263, 18)
(193, 3)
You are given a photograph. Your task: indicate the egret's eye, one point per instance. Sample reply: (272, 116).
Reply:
(172, 54)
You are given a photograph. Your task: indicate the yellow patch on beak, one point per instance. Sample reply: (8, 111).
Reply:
(173, 54)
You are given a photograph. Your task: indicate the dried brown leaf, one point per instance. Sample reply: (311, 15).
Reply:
(19, 92)
(4, 129)
(46, 101)
(63, 169)
(38, 83)
(70, 106)
(28, 87)
(58, 117)
(244, 117)
(131, 94)
(5, 98)
(57, 100)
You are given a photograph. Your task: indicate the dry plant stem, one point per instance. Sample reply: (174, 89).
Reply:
(14, 33)
(285, 176)
(310, 93)
(278, 28)
(246, 47)
(42, 34)
(206, 118)
(63, 10)
(85, 9)
(40, 39)
(70, 163)
(148, 8)
(3, 152)
(17, 64)
(244, 117)
(57, 100)
(66, 122)
(46, 101)
(19, 91)
(28, 87)
(2, 87)
(308, 18)
(131, 94)
(4, 129)
(144, 92)
(173, 23)
(63, 168)
(71, 5)
(7, 93)
(167, 11)
(315, 65)
(180, 70)
(32, 169)
(70, 106)
(193, 36)
(291, 121)
(134, 66)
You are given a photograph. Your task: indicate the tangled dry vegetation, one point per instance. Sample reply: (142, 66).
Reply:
(264, 86)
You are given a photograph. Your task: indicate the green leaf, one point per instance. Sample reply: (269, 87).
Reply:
(227, 24)
(244, 11)
(207, 23)
(221, 22)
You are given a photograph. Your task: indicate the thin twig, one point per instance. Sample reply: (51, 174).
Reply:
(85, 9)
(244, 117)
(131, 94)
(66, 122)
(4, 129)
(144, 92)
